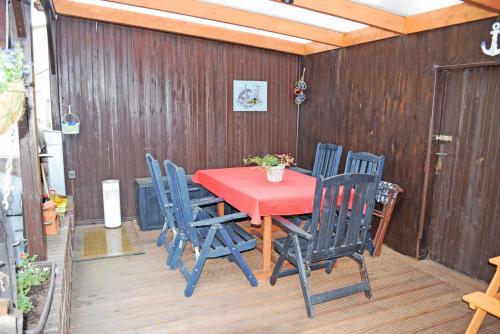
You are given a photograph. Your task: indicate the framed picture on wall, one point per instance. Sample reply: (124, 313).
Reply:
(249, 95)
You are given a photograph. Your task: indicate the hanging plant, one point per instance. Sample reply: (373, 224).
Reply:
(11, 87)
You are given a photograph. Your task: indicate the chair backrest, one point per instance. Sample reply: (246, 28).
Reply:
(326, 162)
(158, 186)
(365, 163)
(183, 212)
(343, 207)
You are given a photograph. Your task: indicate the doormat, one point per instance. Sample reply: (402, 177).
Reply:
(98, 242)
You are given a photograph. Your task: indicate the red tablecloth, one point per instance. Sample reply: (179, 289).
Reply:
(247, 189)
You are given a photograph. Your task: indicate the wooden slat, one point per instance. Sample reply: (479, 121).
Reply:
(489, 5)
(356, 12)
(106, 14)
(28, 147)
(242, 18)
(444, 17)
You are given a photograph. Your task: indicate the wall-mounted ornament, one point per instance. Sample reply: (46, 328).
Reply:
(300, 87)
(249, 95)
(494, 50)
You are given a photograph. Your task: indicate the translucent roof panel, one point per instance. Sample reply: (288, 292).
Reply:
(147, 11)
(408, 7)
(292, 13)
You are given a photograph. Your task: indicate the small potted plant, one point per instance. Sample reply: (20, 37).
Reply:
(11, 87)
(273, 163)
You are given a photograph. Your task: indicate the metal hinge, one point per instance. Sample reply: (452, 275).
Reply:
(443, 138)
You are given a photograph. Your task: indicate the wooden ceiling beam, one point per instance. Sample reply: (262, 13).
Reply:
(356, 12)
(367, 35)
(124, 17)
(241, 17)
(489, 5)
(444, 17)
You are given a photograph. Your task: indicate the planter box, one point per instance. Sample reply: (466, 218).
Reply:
(46, 308)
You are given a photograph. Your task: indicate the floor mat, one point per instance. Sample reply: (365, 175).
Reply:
(97, 242)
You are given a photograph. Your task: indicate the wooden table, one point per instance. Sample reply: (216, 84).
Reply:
(247, 189)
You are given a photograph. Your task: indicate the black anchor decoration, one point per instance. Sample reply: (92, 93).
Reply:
(300, 87)
(494, 50)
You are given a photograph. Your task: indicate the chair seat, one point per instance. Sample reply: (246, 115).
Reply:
(241, 238)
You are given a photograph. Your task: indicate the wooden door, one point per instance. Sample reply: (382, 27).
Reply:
(465, 218)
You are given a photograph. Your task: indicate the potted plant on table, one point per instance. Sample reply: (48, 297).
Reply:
(273, 163)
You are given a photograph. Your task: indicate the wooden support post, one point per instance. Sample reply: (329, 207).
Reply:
(4, 12)
(30, 163)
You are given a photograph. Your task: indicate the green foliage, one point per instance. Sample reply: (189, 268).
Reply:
(269, 160)
(11, 66)
(28, 276)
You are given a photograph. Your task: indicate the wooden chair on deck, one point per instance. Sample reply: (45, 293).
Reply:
(387, 195)
(210, 238)
(365, 163)
(331, 235)
(488, 302)
(166, 208)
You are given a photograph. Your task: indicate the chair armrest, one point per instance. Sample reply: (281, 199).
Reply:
(203, 201)
(291, 227)
(301, 170)
(221, 219)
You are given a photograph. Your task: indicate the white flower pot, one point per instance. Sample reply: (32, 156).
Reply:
(275, 174)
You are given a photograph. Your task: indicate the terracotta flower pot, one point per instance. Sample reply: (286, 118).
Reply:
(49, 215)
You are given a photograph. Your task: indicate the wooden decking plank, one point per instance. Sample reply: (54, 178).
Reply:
(138, 294)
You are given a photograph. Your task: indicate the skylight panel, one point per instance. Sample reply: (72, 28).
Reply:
(409, 7)
(292, 13)
(147, 11)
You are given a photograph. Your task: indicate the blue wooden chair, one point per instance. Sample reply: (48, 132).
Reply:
(210, 238)
(365, 163)
(331, 236)
(166, 207)
(326, 161)
(326, 164)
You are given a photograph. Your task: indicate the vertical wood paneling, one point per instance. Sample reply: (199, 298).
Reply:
(377, 97)
(139, 91)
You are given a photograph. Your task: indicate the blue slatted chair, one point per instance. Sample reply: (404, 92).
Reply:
(166, 208)
(326, 161)
(210, 238)
(365, 163)
(331, 236)
(326, 164)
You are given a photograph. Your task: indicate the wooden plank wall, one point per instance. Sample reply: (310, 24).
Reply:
(139, 91)
(377, 97)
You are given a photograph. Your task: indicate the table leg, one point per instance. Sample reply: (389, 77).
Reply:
(266, 271)
(220, 209)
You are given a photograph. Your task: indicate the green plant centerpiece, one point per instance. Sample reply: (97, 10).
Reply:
(12, 69)
(273, 163)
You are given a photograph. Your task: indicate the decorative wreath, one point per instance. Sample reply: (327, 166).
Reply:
(300, 87)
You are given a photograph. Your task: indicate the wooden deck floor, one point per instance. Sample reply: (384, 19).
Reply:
(138, 294)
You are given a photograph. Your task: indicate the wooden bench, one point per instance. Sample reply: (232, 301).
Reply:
(488, 302)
